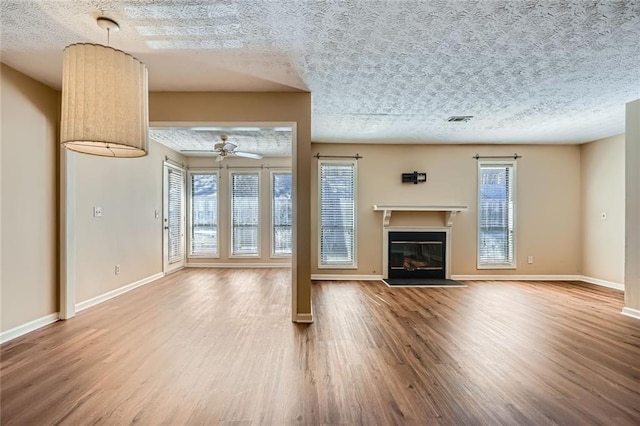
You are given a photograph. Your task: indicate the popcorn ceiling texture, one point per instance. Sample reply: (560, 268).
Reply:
(267, 142)
(529, 71)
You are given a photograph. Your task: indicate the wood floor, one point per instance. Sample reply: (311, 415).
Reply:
(209, 346)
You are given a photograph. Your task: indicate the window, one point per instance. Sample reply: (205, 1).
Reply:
(245, 213)
(337, 213)
(496, 241)
(281, 214)
(204, 214)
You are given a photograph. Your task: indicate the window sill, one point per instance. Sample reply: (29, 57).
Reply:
(337, 267)
(485, 267)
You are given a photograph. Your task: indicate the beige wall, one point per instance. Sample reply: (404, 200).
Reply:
(29, 149)
(128, 234)
(224, 206)
(549, 224)
(547, 202)
(602, 177)
(229, 107)
(632, 231)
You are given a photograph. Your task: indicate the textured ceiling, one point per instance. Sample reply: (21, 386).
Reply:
(266, 141)
(529, 71)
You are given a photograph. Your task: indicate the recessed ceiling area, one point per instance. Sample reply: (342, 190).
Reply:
(389, 71)
(266, 141)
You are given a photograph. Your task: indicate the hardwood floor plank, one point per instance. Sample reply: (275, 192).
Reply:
(206, 346)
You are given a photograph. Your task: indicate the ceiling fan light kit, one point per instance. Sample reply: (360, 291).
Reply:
(105, 95)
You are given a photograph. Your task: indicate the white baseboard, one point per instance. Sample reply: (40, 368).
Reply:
(630, 312)
(28, 327)
(339, 277)
(603, 283)
(238, 265)
(304, 318)
(590, 280)
(516, 277)
(117, 292)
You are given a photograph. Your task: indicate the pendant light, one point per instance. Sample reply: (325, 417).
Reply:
(105, 99)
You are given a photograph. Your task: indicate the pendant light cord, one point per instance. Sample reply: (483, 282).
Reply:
(108, 24)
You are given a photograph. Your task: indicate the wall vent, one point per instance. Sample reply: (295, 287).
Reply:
(460, 118)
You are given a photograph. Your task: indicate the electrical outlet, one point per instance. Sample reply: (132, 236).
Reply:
(97, 211)
(117, 269)
(530, 259)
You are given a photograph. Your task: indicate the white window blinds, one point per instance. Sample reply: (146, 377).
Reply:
(337, 213)
(204, 214)
(496, 215)
(281, 213)
(175, 208)
(245, 212)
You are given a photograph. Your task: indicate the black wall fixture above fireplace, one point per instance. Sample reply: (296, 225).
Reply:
(414, 178)
(417, 255)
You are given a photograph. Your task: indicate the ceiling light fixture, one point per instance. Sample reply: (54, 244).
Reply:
(104, 100)
(223, 149)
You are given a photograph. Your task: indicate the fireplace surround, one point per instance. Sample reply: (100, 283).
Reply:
(450, 213)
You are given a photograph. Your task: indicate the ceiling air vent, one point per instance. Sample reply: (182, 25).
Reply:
(460, 118)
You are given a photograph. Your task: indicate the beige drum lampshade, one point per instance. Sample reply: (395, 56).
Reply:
(104, 102)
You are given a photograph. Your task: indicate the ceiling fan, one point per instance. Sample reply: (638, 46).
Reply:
(224, 149)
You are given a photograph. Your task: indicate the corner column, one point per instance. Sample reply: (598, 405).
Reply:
(632, 214)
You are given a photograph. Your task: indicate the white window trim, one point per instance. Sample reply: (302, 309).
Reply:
(189, 217)
(355, 214)
(271, 242)
(258, 241)
(514, 178)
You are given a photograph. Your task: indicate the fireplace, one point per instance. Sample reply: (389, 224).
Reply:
(415, 234)
(416, 254)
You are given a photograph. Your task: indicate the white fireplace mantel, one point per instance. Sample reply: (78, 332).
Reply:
(450, 211)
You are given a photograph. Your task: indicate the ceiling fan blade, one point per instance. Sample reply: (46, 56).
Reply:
(247, 155)
(206, 129)
(229, 146)
(199, 151)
